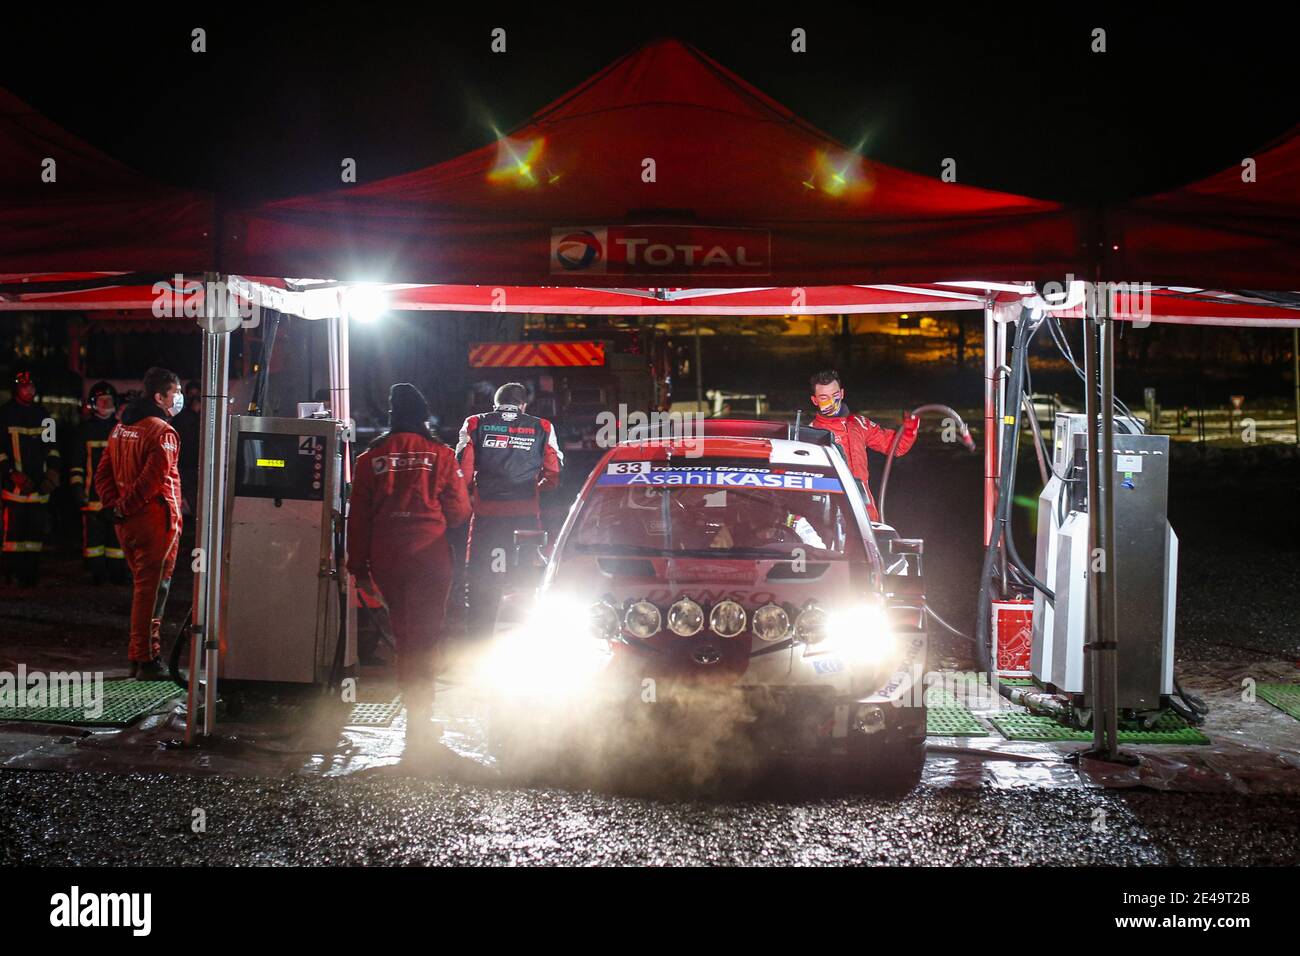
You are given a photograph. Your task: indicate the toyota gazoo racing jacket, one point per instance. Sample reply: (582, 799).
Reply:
(508, 457)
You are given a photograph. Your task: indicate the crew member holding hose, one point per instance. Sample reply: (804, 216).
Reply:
(856, 433)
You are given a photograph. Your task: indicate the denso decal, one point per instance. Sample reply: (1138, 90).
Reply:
(661, 250)
(723, 478)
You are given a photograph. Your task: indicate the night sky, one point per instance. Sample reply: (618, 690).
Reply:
(1016, 97)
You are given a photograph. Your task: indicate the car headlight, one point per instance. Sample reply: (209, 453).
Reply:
(685, 618)
(604, 622)
(727, 619)
(860, 633)
(771, 623)
(810, 625)
(643, 619)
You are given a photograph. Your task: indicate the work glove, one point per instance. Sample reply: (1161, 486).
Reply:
(911, 425)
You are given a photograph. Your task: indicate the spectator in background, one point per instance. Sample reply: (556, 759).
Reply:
(29, 471)
(99, 545)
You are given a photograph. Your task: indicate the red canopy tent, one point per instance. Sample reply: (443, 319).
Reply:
(65, 206)
(1221, 230)
(664, 167)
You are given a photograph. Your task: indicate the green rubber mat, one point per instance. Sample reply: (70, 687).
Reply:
(946, 717)
(1018, 681)
(1285, 697)
(1169, 729)
(375, 714)
(124, 702)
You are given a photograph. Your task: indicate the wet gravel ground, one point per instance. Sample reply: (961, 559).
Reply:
(95, 819)
(1238, 593)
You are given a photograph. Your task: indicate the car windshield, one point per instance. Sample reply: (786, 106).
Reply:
(714, 507)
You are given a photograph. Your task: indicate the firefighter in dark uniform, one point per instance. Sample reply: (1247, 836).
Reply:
(29, 471)
(507, 457)
(99, 545)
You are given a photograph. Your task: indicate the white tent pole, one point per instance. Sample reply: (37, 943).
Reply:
(217, 323)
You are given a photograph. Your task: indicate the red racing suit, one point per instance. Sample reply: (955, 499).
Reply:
(855, 434)
(137, 478)
(407, 490)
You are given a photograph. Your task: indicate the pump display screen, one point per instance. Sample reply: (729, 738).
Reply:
(280, 466)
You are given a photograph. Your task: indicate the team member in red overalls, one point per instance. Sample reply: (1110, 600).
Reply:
(406, 491)
(856, 433)
(138, 479)
(508, 457)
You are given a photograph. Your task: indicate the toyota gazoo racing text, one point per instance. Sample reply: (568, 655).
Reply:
(721, 598)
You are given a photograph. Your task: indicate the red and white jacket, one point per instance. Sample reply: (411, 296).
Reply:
(138, 469)
(857, 433)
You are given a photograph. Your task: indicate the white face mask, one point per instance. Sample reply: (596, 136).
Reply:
(178, 402)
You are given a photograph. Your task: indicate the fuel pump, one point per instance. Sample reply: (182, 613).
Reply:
(283, 560)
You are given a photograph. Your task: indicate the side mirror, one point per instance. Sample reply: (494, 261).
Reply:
(900, 546)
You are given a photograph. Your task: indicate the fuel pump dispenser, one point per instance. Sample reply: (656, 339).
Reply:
(283, 558)
(1145, 560)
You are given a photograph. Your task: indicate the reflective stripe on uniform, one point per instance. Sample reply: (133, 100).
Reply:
(22, 546)
(96, 552)
(114, 553)
(35, 498)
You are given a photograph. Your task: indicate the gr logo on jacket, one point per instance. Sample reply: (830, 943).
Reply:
(138, 468)
(507, 457)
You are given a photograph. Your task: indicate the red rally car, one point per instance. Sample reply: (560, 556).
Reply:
(732, 574)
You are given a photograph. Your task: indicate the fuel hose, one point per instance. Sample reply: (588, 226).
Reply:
(963, 431)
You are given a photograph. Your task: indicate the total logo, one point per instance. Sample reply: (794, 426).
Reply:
(661, 250)
(580, 250)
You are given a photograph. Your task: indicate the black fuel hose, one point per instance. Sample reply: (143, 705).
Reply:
(917, 412)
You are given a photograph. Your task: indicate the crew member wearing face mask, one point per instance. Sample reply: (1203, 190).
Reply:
(138, 480)
(103, 553)
(29, 471)
(856, 433)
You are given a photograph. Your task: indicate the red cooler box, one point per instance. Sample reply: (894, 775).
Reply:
(1013, 637)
